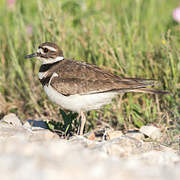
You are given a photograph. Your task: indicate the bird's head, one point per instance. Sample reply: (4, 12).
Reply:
(48, 53)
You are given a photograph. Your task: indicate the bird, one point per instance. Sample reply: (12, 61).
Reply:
(80, 87)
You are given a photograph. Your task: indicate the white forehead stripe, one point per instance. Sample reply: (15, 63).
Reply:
(50, 48)
(40, 51)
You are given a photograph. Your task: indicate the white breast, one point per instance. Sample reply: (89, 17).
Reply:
(79, 103)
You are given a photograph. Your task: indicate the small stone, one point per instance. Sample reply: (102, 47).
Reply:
(43, 135)
(27, 125)
(157, 157)
(122, 146)
(151, 131)
(12, 119)
(91, 136)
(112, 134)
(35, 124)
(136, 135)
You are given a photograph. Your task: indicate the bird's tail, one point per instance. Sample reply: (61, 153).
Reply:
(143, 83)
(150, 91)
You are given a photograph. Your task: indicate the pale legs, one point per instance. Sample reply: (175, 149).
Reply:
(83, 121)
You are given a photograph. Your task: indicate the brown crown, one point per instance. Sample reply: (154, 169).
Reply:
(58, 52)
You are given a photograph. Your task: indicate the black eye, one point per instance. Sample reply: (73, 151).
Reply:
(46, 50)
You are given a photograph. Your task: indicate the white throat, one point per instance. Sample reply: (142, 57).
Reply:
(51, 60)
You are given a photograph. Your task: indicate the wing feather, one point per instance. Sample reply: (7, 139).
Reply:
(80, 78)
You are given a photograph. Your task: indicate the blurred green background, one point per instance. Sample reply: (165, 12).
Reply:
(132, 38)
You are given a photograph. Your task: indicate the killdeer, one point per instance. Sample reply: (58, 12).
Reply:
(80, 87)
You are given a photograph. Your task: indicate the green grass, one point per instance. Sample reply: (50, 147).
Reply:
(130, 38)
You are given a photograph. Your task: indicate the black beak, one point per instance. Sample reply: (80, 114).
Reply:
(31, 55)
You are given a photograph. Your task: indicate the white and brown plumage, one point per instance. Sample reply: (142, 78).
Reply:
(80, 87)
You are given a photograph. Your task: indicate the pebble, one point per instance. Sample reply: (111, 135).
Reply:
(151, 131)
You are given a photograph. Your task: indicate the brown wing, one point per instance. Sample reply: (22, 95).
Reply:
(80, 78)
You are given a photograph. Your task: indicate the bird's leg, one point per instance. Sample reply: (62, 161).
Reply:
(83, 121)
(79, 118)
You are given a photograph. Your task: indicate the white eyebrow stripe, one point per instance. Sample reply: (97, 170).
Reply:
(50, 48)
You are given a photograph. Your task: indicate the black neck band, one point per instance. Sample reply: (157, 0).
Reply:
(45, 67)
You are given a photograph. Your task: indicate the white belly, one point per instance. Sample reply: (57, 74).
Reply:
(79, 103)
